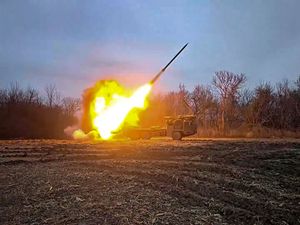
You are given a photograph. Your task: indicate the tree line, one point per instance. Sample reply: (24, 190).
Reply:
(225, 108)
(26, 113)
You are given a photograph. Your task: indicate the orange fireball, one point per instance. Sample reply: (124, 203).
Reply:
(112, 106)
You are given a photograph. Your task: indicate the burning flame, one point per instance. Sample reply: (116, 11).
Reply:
(112, 106)
(108, 116)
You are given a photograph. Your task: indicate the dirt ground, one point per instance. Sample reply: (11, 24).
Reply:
(150, 182)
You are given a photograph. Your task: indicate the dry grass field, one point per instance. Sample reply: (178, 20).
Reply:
(150, 182)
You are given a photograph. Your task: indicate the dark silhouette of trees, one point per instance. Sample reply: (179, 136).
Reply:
(262, 106)
(204, 105)
(24, 113)
(70, 105)
(228, 85)
(176, 102)
(52, 95)
(222, 109)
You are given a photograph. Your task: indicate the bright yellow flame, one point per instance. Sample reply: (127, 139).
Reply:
(111, 108)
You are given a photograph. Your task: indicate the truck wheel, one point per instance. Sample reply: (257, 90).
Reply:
(177, 135)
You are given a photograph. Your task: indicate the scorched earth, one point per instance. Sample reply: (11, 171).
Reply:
(150, 182)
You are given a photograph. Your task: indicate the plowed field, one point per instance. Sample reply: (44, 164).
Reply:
(150, 182)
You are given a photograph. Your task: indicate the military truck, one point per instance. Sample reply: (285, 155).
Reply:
(176, 128)
(181, 126)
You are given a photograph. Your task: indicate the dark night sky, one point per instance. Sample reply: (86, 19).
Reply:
(74, 43)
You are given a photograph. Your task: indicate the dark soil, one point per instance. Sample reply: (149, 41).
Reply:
(150, 182)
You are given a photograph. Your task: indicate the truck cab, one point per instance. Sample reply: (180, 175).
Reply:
(181, 126)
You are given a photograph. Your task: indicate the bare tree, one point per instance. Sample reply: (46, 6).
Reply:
(297, 82)
(228, 85)
(71, 105)
(262, 108)
(183, 101)
(177, 102)
(170, 102)
(295, 96)
(3, 96)
(15, 93)
(32, 96)
(245, 102)
(52, 95)
(203, 103)
(282, 104)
